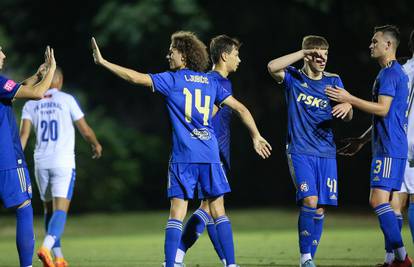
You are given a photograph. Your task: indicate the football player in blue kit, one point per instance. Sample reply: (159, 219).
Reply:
(311, 150)
(15, 185)
(190, 95)
(224, 54)
(389, 107)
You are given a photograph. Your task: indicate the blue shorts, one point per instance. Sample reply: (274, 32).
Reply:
(387, 173)
(314, 176)
(209, 178)
(15, 186)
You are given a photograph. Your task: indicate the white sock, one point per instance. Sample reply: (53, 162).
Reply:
(389, 257)
(57, 251)
(400, 253)
(49, 242)
(224, 262)
(232, 265)
(179, 257)
(305, 257)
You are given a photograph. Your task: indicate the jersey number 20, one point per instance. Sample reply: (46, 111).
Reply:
(49, 130)
(205, 110)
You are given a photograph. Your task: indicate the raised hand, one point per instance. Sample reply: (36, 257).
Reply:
(341, 110)
(262, 147)
(50, 57)
(351, 147)
(313, 54)
(97, 57)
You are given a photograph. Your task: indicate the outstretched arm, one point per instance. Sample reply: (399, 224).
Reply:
(277, 66)
(89, 135)
(261, 146)
(32, 88)
(354, 144)
(379, 108)
(129, 75)
(25, 128)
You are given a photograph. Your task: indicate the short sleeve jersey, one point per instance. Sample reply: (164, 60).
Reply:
(389, 133)
(11, 153)
(190, 97)
(309, 113)
(409, 70)
(52, 118)
(221, 121)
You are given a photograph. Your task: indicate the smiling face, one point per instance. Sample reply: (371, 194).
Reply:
(2, 57)
(175, 59)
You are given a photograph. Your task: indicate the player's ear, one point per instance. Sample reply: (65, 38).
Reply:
(224, 56)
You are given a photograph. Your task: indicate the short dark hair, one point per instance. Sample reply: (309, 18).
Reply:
(391, 30)
(222, 44)
(314, 41)
(193, 49)
(411, 42)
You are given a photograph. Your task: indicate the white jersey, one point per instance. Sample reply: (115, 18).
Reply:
(52, 118)
(409, 70)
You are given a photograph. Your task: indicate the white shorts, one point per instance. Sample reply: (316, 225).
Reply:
(408, 184)
(55, 182)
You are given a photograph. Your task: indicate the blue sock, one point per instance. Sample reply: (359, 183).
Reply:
(389, 225)
(306, 226)
(173, 233)
(400, 221)
(225, 236)
(24, 234)
(318, 220)
(212, 233)
(193, 229)
(57, 224)
(47, 217)
(411, 219)
(388, 246)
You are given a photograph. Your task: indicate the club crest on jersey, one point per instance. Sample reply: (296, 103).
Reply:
(304, 187)
(312, 101)
(9, 85)
(202, 134)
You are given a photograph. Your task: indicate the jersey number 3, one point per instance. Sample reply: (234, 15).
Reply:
(205, 110)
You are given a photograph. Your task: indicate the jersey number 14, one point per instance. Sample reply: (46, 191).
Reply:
(205, 110)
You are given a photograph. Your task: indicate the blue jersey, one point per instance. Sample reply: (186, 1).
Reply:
(221, 122)
(389, 133)
(190, 97)
(309, 113)
(11, 153)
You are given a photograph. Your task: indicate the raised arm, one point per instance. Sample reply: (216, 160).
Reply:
(277, 66)
(89, 135)
(129, 75)
(35, 86)
(25, 127)
(261, 146)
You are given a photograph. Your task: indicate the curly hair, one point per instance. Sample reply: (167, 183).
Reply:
(193, 50)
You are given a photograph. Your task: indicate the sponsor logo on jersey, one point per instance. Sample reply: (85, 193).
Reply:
(333, 197)
(196, 79)
(9, 85)
(202, 134)
(312, 101)
(304, 84)
(304, 187)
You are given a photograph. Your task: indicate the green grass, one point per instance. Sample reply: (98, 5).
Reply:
(262, 237)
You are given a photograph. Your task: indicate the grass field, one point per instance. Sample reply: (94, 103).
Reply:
(262, 237)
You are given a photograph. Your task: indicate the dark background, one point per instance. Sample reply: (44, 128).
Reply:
(132, 123)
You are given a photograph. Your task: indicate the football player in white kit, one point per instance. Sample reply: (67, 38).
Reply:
(52, 118)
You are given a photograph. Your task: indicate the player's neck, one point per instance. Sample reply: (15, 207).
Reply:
(220, 68)
(384, 61)
(314, 75)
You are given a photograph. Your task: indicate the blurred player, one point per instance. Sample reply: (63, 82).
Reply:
(311, 148)
(190, 95)
(16, 189)
(54, 157)
(399, 200)
(224, 53)
(389, 139)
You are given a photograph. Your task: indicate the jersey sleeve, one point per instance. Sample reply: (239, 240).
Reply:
(339, 83)
(26, 113)
(163, 82)
(8, 88)
(221, 95)
(75, 110)
(388, 83)
(290, 74)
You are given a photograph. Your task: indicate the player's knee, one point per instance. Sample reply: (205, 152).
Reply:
(320, 211)
(205, 206)
(311, 202)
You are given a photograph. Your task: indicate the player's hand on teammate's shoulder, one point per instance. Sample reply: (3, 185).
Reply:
(341, 110)
(352, 146)
(96, 53)
(97, 151)
(338, 94)
(262, 147)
